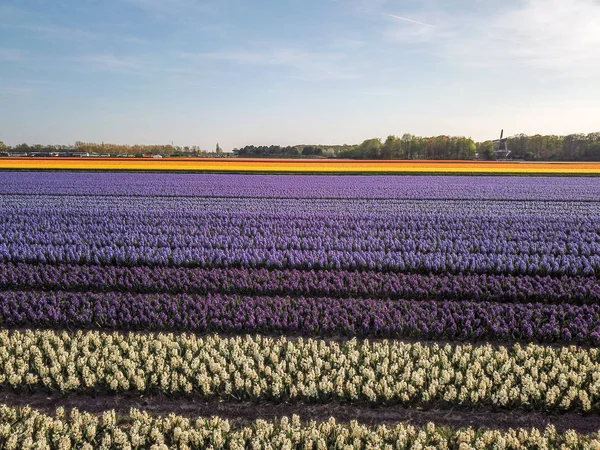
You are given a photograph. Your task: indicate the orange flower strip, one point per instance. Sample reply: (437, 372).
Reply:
(299, 166)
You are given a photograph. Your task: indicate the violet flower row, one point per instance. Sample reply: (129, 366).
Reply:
(302, 186)
(396, 243)
(324, 283)
(305, 316)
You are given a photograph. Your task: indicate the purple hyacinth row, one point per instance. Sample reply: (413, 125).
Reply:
(406, 242)
(300, 206)
(304, 315)
(303, 186)
(325, 283)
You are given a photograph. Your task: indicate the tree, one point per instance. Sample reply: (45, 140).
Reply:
(3, 147)
(291, 151)
(407, 146)
(392, 148)
(218, 150)
(438, 147)
(370, 149)
(486, 151)
(348, 153)
(312, 150)
(592, 152)
(537, 146)
(519, 147)
(23, 148)
(466, 148)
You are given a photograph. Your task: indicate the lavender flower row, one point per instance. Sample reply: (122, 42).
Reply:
(300, 206)
(394, 242)
(303, 186)
(304, 315)
(324, 283)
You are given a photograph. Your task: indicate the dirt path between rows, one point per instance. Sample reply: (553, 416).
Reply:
(241, 413)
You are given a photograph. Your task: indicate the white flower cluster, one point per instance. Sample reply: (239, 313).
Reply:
(28, 429)
(255, 367)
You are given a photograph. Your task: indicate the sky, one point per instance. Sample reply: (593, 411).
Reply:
(241, 72)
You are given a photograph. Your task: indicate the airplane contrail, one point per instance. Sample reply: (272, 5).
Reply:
(406, 19)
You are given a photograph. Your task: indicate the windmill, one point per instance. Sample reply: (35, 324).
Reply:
(501, 147)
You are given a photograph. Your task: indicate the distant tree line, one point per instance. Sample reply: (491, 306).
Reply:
(276, 151)
(113, 149)
(413, 147)
(573, 147)
(103, 148)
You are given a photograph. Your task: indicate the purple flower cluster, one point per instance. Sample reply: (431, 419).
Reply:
(303, 186)
(293, 282)
(497, 258)
(177, 206)
(305, 315)
(407, 242)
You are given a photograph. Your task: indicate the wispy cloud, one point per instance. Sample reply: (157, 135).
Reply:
(70, 34)
(550, 34)
(377, 8)
(22, 87)
(381, 92)
(554, 37)
(362, 6)
(162, 6)
(113, 63)
(179, 9)
(406, 19)
(303, 64)
(54, 31)
(12, 55)
(10, 91)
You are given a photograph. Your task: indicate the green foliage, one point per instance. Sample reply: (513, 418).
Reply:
(116, 149)
(412, 147)
(23, 148)
(311, 150)
(592, 152)
(573, 147)
(276, 151)
(486, 150)
(370, 149)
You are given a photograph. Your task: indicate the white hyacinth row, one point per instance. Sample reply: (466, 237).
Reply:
(255, 367)
(30, 429)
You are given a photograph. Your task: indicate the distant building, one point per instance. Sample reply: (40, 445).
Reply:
(501, 150)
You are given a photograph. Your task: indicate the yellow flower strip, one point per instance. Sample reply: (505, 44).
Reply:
(255, 367)
(299, 166)
(28, 429)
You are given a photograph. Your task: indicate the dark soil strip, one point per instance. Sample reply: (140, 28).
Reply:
(242, 413)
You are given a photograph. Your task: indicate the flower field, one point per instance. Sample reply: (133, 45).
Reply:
(452, 295)
(236, 165)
